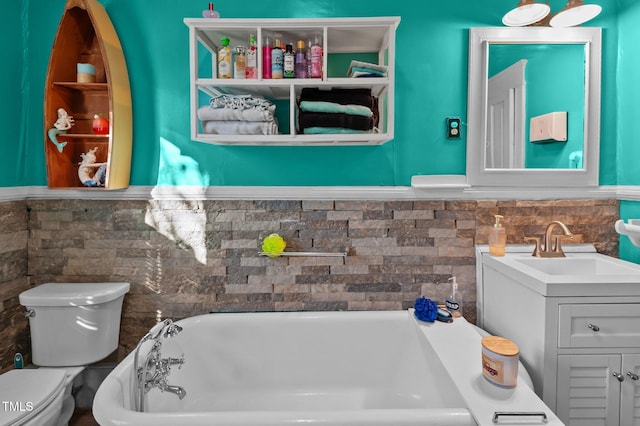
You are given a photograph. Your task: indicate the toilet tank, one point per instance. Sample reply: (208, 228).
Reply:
(73, 323)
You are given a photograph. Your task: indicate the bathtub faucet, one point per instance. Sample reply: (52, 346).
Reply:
(155, 369)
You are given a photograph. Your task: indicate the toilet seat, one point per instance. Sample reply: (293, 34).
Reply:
(25, 393)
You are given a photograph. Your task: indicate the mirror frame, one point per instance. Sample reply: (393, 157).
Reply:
(479, 41)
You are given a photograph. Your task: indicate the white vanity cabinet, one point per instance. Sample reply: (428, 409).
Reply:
(370, 40)
(581, 348)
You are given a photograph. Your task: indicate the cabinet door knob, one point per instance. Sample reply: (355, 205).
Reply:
(618, 376)
(594, 327)
(632, 375)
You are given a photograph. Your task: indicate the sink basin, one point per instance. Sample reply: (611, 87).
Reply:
(579, 273)
(600, 265)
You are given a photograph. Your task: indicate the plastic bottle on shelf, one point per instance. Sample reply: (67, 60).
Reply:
(308, 51)
(289, 63)
(277, 60)
(240, 63)
(316, 59)
(224, 59)
(210, 13)
(252, 59)
(266, 58)
(301, 60)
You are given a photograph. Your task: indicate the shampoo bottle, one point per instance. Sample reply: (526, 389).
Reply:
(266, 58)
(277, 60)
(497, 238)
(316, 59)
(454, 300)
(251, 70)
(224, 59)
(289, 63)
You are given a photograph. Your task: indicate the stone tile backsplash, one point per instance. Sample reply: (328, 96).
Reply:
(185, 258)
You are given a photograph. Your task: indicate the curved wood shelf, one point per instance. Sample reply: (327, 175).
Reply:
(86, 35)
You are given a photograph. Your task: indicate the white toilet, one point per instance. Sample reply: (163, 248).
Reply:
(72, 325)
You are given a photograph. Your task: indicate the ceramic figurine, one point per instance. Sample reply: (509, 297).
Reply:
(62, 124)
(86, 172)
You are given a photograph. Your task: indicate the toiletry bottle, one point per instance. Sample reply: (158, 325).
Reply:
(289, 64)
(309, 43)
(210, 13)
(497, 238)
(266, 58)
(316, 59)
(301, 60)
(224, 59)
(252, 59)
(240, 63)
(454, 300)
(277, 60)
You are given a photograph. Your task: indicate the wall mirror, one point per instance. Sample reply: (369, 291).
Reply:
(534, 107)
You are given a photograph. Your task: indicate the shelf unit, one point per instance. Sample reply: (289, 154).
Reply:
(86, 35)
(374, 37)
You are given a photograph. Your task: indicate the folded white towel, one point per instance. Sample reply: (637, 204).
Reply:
(240, 127)
(206, 113)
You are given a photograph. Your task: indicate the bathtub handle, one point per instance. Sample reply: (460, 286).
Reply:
(498, 414)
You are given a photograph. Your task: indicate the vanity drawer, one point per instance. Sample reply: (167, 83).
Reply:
(593, 325)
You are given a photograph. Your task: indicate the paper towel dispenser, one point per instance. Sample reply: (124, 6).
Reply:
(551, 127)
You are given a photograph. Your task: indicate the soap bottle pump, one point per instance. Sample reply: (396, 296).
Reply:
(454, 299)
(497, 238)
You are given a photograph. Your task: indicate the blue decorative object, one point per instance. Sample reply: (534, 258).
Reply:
(426, 309)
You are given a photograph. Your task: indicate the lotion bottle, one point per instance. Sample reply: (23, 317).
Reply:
(497, 238)
(224, 59)
(277, 60)
(454, 300)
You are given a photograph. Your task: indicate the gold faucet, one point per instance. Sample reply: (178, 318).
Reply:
(545, 248)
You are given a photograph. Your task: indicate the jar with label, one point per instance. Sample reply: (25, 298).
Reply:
(240, 63)
(500, 361)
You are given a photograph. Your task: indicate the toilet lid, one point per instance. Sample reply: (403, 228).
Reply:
(25, 392)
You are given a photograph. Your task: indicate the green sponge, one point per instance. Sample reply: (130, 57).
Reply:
(273, 245)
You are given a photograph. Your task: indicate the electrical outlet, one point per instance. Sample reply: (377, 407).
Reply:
(453, 128)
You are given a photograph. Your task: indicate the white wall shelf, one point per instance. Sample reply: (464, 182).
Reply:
(339, 36)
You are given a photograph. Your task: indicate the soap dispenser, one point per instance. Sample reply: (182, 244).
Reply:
(454, 300)
(497, 238)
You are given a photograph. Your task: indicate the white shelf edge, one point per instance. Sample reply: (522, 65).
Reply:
(295, 140)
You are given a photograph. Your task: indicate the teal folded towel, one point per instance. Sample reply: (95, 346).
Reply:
(333, 131)
(331, 107)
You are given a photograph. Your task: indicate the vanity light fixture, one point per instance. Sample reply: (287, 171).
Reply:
(526, 13)
(575, 13)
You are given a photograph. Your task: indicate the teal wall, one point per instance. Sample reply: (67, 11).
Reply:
(628, 111)
(431, 84)
(11, 98)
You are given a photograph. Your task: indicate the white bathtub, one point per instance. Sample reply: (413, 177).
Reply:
(328, 368)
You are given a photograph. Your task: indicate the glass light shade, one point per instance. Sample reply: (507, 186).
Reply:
(574, 15)
(526, 13)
